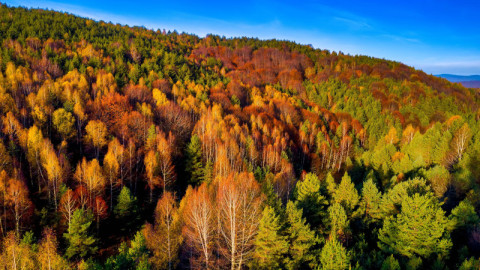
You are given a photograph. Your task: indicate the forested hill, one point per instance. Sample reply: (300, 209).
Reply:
(128, 148)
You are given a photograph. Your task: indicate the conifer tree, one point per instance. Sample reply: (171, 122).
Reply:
(126, 209)
(346, 194)
(390, 263)
(310, 199)
(371, 199)
(80, 242)
(300, 237)
(420, 229)
(334, 256)
(270, 245)
(338, 219)
(194, 163)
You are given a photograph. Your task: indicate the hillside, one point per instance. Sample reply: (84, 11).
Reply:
(128, 148)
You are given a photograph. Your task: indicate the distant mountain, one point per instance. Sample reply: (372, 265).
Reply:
(471, 81)
(471, 84)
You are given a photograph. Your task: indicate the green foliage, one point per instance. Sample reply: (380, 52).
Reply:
(194, 161)
(338, 219)
(270, 245)
(78, 236)
(371, 199)
(390, 263)
(464, 215)
(300, 237)
(420, 229)
(334, 256)
(126, 210)
(310, 199)
(346, 194)
(134, 257)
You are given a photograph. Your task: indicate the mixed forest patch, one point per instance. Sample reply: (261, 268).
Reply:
(128, 148)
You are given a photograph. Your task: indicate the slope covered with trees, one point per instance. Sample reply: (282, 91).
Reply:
(127, 148)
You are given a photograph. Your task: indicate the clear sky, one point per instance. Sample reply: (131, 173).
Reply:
(438, 36)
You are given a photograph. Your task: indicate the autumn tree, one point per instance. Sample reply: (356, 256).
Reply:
(90, 175)
(48, 256)
(200, 226)
(164, 236)
(166, 167)
(16, 254)
(458, 144)
(96, 135)
(239, 209)
(100, 209)
(64, 123)
(68, 204)
(53, 168)
(152, 169)
(113, 164)
(17, 199)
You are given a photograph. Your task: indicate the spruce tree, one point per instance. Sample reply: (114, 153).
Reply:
(301, 238)
(126, 209)
(338, 219)
(311, 200)
(194, 163)
(420, 229)
(346, 194)
(80, 242)
(334, 256)
(371, 199)
(270, 245)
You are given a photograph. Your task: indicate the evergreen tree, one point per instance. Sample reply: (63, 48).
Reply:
(310, 199)
(346, 194)
(80, 242)
(390, 263)
(334, 256)
(194, 163)
(300, 237)
(270, 245)
(338, 219)
(420, 228)
(126, 211)
(371, 199)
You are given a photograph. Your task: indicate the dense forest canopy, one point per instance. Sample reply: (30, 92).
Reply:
(127, 148)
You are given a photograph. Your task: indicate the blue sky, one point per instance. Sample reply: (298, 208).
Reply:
(437, 36)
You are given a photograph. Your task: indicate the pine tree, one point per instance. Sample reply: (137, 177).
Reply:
(270, 245)
(390, 263)
(194, 163)
(334, 256)
(371, 199)
(126, 209)
(300, 237)
(310, 199)
(420, 229)
(346, 194)
(80, 242)
(338, 219)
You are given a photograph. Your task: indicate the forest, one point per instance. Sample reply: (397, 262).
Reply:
(128, 148)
